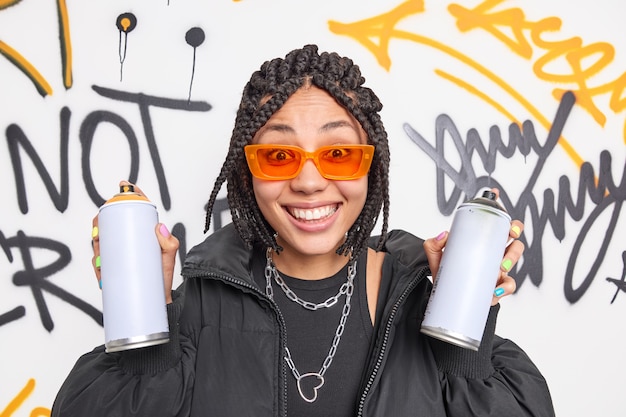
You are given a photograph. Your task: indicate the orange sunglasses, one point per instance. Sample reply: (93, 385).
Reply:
(284, 162)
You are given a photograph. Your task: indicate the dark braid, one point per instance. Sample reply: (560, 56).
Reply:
(266, 92)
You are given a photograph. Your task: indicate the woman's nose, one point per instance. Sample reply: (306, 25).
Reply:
(309, 180)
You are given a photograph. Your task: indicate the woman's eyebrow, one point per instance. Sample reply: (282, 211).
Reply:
(278, 127)
(336, 125)
(284, 128)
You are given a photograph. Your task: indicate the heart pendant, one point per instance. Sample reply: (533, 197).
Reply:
(309, 387)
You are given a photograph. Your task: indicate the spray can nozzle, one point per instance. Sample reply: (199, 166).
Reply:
(488, 198)
(490, 195)
(128, 188)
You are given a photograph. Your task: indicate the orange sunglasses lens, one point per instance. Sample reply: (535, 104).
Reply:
(282, 162)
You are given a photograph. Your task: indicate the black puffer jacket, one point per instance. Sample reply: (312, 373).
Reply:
(224, 358)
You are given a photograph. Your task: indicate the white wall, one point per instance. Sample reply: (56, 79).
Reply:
(564, 314)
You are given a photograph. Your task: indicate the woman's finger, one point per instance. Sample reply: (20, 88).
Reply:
(95, 244)
(512, 255)
(169, 247)
(433, 248)
(506, 286)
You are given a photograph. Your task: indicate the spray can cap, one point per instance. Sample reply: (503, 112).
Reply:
(488, 198)
(127, 192)
(127, 188)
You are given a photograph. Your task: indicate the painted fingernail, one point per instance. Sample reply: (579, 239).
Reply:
(98, 262)
(440, 236)
(164, 231)
(100, 283)
(94, 232)
(506, 264)
(516, 230)
(498, 292)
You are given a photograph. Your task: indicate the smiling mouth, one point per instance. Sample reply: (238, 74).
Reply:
(317, 213)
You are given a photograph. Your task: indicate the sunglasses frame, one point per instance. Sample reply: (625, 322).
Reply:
(255, 168)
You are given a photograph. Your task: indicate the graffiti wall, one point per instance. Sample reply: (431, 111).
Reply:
(527, 96)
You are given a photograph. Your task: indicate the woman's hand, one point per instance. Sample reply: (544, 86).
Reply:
(169, 246)
(505, 285)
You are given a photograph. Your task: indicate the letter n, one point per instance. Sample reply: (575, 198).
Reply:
(16, 139)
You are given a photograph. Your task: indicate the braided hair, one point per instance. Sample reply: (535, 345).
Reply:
(265, 93)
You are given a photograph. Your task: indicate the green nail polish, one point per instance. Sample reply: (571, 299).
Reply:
(507, 264)
(98, 261)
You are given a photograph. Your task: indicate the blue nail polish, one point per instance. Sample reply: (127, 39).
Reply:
(498, 292)
(100, 284)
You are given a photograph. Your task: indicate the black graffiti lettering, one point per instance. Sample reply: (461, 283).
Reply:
(86, 135)
(180, 233)
(532, 266)
(19, 144)
(620, 283)
(466, 180)
(16, 138)
(604, 193)
(36, 278)
(15, 314)
(145, 102)
(573, 294)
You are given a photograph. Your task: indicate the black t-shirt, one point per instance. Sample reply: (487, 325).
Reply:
(310, 335)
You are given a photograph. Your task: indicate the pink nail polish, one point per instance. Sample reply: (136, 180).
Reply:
(164, 231)
(440, 236)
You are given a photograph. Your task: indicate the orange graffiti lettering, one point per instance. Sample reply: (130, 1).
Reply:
(597, 56)
(494, 23)
(579, 75)
(20, 398)
(379, 26)
(8, 3)
(31, 72)
(40, 83)
(383, 28)
(66, 44)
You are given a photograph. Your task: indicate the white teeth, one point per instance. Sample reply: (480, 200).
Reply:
(313, 214)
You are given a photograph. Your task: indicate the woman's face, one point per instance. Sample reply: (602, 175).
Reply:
(311, 214)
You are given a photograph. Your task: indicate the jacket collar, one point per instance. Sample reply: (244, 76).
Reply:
(223, 252)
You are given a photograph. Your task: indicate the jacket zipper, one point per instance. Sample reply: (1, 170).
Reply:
(385, 341)
(281, 320)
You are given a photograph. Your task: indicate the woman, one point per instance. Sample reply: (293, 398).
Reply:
(293, 309)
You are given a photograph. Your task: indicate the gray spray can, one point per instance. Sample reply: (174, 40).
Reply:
(133, 296)
(461, 296)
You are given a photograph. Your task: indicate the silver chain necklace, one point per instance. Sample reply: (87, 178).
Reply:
(347, 288)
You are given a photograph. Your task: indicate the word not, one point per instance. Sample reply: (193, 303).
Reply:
(16, 140)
